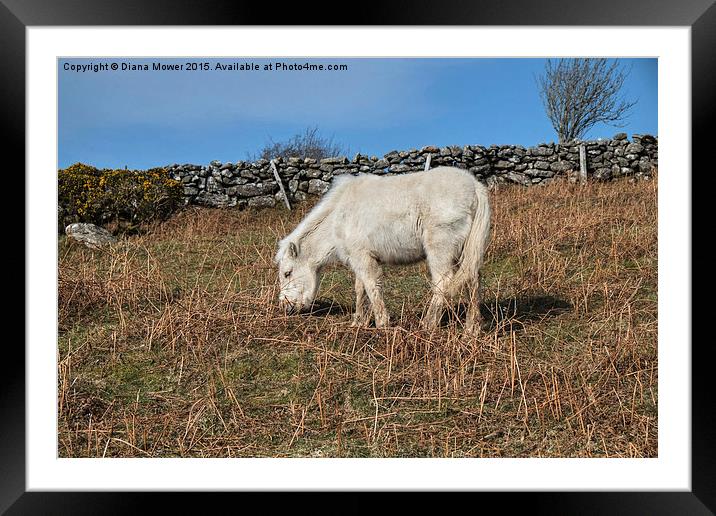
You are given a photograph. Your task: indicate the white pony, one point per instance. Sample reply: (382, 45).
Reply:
(441, 215)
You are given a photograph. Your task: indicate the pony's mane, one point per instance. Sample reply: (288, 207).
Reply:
(314, 218)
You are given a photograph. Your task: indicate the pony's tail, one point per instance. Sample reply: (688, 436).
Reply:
(475, 245)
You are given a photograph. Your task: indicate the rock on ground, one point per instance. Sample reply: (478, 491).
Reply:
(90, 235)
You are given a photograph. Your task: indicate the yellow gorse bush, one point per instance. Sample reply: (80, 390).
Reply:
(89, 194)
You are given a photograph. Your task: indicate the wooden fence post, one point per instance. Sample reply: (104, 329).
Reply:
(280, 185)
(582, 164)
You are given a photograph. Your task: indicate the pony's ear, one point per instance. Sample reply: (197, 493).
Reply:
(292, 250)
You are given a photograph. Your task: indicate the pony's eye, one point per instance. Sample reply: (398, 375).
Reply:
(287, 274)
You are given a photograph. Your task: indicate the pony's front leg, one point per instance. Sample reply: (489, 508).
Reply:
(361, 315)
(371, 275)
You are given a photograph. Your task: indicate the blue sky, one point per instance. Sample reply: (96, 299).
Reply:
(143, 119)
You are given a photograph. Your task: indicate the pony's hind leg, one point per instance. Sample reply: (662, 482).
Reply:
(368, 272)
(438, 301)
(473, 321)
(441, 268)
(362, 313)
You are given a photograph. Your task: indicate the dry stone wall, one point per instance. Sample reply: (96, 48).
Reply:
(253, 184)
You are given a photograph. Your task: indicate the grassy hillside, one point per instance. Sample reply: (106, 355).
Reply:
(171, 343)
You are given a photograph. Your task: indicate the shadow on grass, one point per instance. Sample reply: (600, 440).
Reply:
(512, 312)
(324, 307)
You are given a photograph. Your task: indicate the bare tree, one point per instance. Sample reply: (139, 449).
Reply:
(309, 144)
(580, 93)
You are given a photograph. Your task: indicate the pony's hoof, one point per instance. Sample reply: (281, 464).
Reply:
(474, 330)
(428, 325)
(360, 321)
(381, 325)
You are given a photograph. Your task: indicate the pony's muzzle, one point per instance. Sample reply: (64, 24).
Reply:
(288, 307)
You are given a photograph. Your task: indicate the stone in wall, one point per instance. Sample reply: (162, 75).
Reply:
(216, 200)
(318, 186)
(264, 201)
(562, 166)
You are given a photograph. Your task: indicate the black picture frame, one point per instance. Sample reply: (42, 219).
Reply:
(17, 15)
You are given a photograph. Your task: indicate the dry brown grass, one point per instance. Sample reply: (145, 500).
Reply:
(171, 344)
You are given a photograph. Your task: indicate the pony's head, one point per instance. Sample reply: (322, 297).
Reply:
(298, 279)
